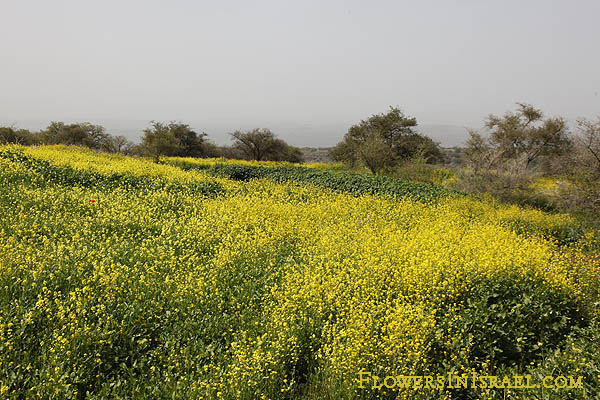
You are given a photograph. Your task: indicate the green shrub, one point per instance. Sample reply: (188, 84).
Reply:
(355, 184)
(512, 320)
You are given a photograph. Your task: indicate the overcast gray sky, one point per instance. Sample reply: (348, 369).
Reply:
(308, 69)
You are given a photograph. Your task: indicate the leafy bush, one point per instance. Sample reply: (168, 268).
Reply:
(355, 184)
(512, 320)
(239, 172)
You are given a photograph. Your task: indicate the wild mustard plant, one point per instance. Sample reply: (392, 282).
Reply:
(264, 290)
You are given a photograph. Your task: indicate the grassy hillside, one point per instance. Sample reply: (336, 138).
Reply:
(120, 278)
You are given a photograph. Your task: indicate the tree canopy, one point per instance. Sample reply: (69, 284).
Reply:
(9, 134)
(79, 134)
(384, 140)
(523, 136)
(262, 144)
(172, 139)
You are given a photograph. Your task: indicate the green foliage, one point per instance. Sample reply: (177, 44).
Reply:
(416, 169)
(524, 136)
(529, 198)
(11, 135)
(579, 357)
(262, 145)
(383, 140)
(46, 174)
(526, 133)
(563, 234)
(513, 320)
(151, 295)
(355, 184)
(172, 139)
(375, 153)
(511, 323)
(79, 134)
(517, 325)
(118, 144)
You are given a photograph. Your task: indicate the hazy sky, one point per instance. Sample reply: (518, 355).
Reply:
(299, 66)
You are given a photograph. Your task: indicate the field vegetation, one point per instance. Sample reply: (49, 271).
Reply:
(125, 278)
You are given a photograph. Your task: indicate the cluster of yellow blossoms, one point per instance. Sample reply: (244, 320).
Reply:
(263, 291)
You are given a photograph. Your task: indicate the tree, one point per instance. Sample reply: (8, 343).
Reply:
(589, 139)
(159, 140)
(172, 139)
(261, 144)
(9, 134)
(523, 136)
(254, 144)
(79, 134)
(581, 168)
(385, 140)
(211, 150)
(417, 145)
(375, 153)
(478, 152)
(191, 143)
(119, 144)
(281, 151)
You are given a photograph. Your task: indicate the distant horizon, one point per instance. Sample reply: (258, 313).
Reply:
(298, 135)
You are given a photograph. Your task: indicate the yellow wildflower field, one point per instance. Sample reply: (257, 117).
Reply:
(181, 284)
